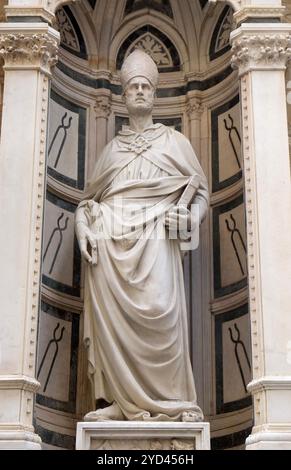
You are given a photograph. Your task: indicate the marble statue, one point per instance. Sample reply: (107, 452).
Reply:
(135, 320)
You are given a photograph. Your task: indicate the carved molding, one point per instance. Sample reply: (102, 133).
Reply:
(258, 387)
(254, 274)
(261, 51)
(35, 249)
(102, 107)
(275, 382)
(66, 30)
(17, 11)
(149, 435)
(258, 12)
(24, 50)
(142, 444)
(194, 108)
(223, 35)
(154, 47)
(18, 382)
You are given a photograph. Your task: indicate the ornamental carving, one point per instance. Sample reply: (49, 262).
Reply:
(155, 48)
(34, 50)
(102, 107)
(194, 108)
(261, 51)
(145, 444)
(224, 31)
(66, 30)
(139, 145)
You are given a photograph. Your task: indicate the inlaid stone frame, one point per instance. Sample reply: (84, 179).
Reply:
(66, 141)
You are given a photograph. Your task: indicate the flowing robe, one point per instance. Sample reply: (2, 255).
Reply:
(135, 319)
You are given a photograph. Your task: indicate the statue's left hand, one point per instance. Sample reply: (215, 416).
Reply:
(85, 237)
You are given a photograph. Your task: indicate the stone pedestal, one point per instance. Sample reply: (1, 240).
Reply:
(141, 435)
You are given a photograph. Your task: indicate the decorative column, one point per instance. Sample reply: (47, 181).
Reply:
(29, 50)
(102, 110)
(194, 109)
(195, 262)
(260, 52)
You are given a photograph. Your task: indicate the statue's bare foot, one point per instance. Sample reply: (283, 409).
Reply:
(191, 416)
(112, 412)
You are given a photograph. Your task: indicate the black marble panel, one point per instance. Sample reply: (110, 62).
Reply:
(161, 92)
(73, 290)
(230, 440)
(92, 3)
(70, 405)
(203, 3)
(222, 407)
(163, 6)
(80, 182)
(53, 438)
(216, 183)
(220, 290)
(213, 53)
(82, 53)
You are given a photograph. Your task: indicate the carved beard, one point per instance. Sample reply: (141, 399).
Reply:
(140, 108)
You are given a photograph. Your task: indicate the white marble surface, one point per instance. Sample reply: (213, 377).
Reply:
(133, 435)
(268, 213)
(28, 58)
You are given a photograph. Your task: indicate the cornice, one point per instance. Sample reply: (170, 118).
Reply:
(251, 12)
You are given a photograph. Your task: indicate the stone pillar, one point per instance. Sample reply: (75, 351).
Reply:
(260, 52)
(194, 109)
(29, 50)
(102, 110)
(195, 262)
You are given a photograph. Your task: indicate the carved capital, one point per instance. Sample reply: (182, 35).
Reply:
(260, 50)
(32, 49)
(28, 46)
(194, 108)
(102, 107)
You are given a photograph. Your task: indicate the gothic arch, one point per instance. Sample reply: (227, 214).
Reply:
(207, 39)
(83, 29)
(154, 20)
(219, 43)
(156, 44)
(72, 38)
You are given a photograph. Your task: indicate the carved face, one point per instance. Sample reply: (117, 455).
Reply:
(139, 96)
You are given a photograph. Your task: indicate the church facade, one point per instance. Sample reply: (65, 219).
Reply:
(224, 81)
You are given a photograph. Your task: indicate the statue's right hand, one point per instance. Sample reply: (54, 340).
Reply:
(86, 238)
